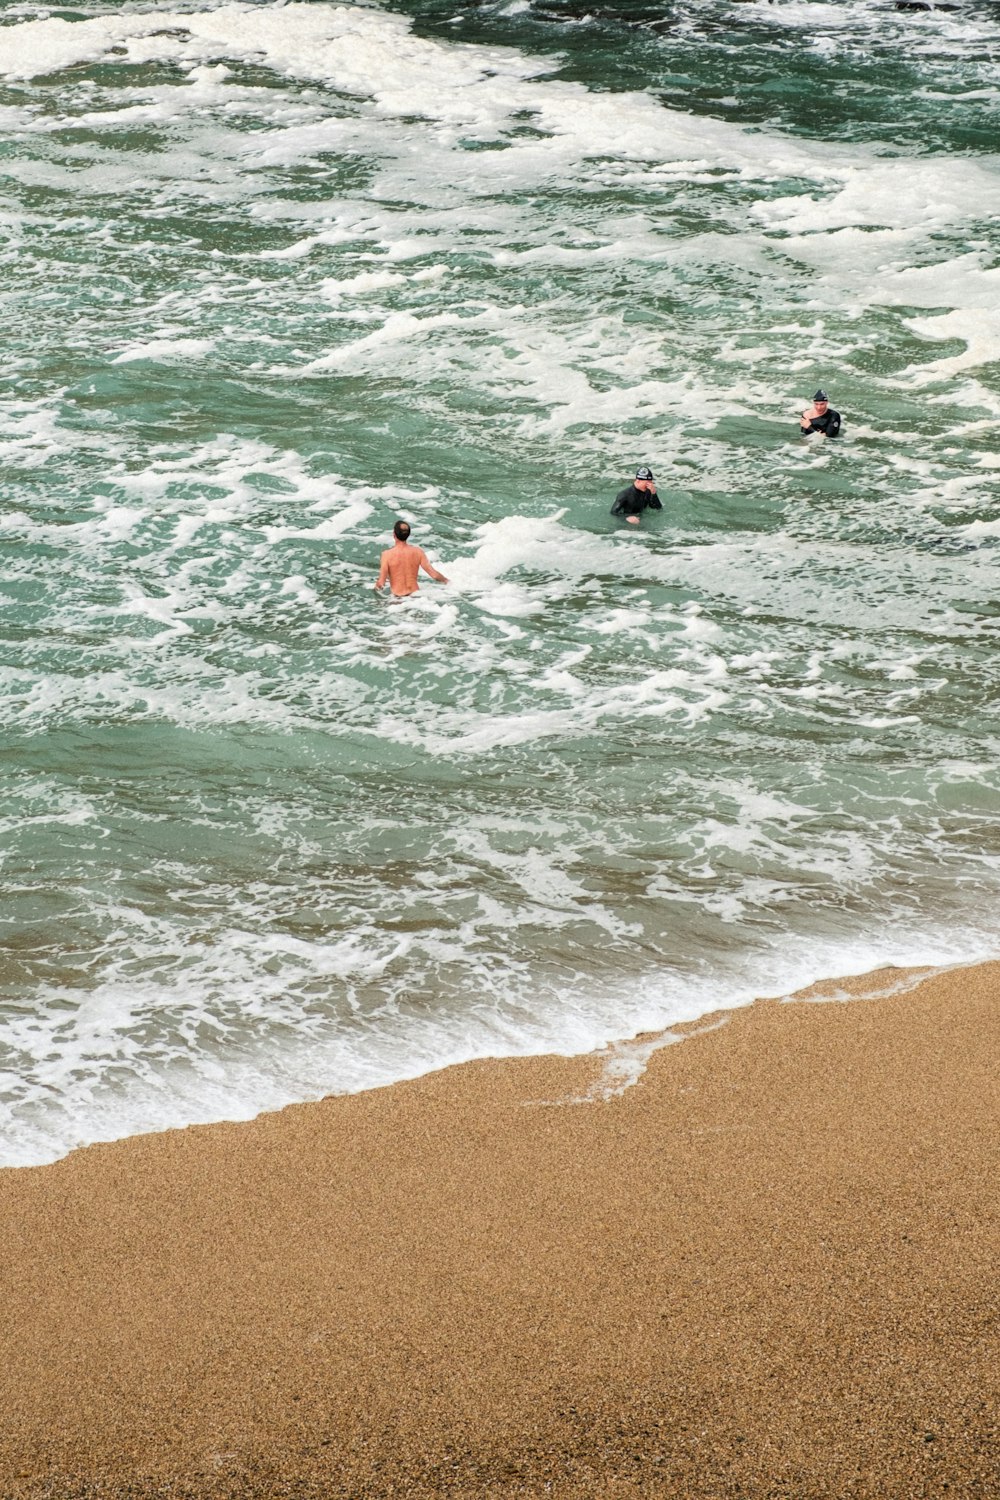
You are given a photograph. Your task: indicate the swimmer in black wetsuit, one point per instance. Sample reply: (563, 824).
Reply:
(636, 497)
(820, 417)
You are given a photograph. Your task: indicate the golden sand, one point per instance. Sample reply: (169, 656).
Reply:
(769, 1269)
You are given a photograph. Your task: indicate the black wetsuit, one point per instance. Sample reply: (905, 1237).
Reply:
(632, 502)
(829, 423)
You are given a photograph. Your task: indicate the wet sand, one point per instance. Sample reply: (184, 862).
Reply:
(770, 1269)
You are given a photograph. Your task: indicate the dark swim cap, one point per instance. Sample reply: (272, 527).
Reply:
(643, 473)
(821, 396)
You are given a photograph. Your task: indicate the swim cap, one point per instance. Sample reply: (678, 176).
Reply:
(821, 396)
(643, 473)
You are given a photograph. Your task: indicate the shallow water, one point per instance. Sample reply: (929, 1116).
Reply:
(275, 275)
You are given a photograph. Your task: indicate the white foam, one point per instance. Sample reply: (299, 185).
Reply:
(399, 329)
(169, 349)
(374, 56)
(360, 50)
(870, 21)
(346, 520)
(366, 281)
(978, 329)
(911, 194)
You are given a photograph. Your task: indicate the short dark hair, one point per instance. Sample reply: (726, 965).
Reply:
(401, 530)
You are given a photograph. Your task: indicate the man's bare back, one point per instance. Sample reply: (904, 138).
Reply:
(401, 563)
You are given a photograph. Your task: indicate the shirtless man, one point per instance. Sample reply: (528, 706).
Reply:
(400, 564)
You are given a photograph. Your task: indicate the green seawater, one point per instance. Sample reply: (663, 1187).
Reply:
(276, 275)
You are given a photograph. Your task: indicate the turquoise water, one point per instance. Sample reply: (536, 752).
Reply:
(274, 275)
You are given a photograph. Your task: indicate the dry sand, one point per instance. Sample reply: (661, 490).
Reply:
(769, 1269)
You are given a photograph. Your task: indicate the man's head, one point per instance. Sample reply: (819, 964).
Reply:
(401, 530)
(642, 472)
(820, 399)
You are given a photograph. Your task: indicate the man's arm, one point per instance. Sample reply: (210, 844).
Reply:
(654, 501)
(834, 428)
(619, 504)
(428, 569)
(383, 572)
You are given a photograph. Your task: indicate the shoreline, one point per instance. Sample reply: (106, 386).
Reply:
(237, 1110)
(766, 1268)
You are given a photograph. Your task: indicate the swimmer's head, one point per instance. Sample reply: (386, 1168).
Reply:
(821, 398)
(643, 473)
(401, 530)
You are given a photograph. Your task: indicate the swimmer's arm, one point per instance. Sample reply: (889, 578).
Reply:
(654, 502)
(433, 572)
(383, 573)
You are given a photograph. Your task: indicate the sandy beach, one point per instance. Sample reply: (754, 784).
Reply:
(770, 1268)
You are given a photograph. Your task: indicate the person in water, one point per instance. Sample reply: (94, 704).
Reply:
(820, 417)
(401, 563)
(638, 496)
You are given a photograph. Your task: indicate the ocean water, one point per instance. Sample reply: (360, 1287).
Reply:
(274, 275)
